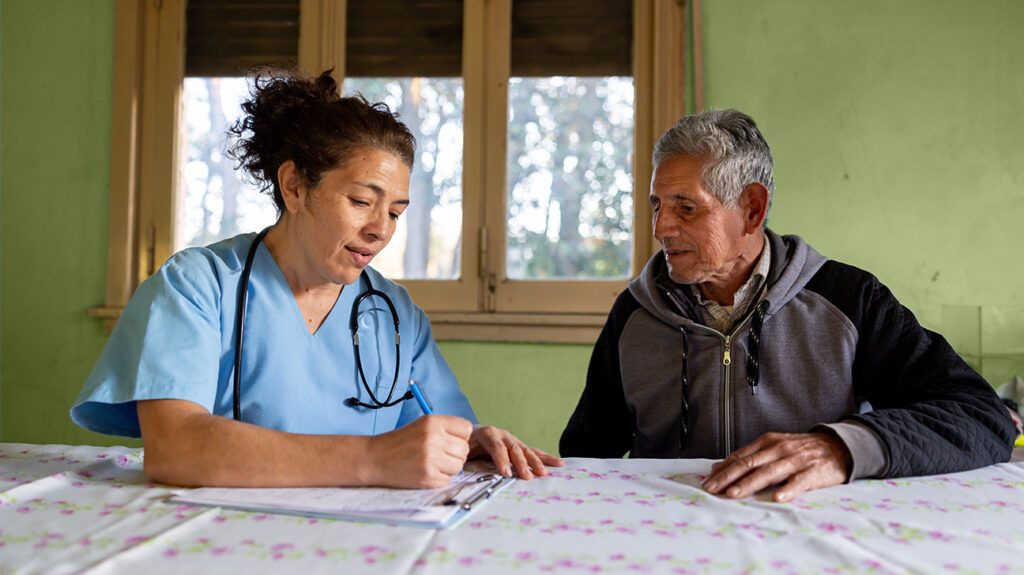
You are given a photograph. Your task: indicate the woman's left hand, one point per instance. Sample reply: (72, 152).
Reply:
(509, 453)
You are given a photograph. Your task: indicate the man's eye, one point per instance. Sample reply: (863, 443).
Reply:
(395, 216)
(360, 203)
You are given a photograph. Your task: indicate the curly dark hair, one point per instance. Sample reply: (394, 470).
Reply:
(306, 120)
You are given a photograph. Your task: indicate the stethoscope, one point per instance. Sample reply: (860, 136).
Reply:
(243, 296)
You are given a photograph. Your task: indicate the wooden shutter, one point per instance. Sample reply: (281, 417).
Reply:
(231, 37)
(403, 38)
(572, 38)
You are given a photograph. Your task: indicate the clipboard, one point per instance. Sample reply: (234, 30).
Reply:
(441, 508)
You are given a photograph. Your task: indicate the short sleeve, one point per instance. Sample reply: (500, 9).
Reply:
(431, 372)
(166, 345)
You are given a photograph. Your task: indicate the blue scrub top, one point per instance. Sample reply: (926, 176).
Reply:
(175, 340)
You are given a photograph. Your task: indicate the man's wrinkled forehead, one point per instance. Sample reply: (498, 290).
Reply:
(679, 176)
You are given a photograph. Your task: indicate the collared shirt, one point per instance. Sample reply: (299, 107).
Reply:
(722, 317)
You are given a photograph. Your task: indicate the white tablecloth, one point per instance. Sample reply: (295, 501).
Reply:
(89, 509)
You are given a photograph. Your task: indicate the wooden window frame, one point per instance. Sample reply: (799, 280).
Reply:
(482, 304)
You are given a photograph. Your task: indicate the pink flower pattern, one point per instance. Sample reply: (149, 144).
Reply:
(589, 517)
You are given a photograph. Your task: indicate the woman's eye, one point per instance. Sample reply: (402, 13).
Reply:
(360, 203)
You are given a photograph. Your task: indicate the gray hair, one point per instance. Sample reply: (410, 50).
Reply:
(735, 153)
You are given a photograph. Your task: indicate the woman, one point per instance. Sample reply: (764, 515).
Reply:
(314, 406)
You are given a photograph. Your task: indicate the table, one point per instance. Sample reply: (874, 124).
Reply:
(89, 509)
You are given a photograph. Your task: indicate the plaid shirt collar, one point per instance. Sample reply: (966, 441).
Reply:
(722, 317)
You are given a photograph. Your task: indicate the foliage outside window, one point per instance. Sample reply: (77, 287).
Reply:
(570, 200)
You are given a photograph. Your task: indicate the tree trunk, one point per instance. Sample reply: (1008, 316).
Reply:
(230, 187)
(421, 195)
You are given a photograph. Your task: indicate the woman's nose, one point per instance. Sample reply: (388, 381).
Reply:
(378, 224)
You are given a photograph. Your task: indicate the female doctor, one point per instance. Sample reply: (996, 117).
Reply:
(322, 385)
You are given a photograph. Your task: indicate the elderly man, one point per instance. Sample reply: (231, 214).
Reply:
(736, 342)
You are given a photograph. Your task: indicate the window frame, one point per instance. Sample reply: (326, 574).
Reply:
(483, 304)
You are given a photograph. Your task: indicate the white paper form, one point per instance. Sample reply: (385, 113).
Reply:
(368, 503)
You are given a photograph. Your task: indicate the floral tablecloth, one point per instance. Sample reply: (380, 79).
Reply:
(91, 510)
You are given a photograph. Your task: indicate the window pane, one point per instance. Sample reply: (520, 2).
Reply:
(428, 241)
(570, 177)
(213, 200)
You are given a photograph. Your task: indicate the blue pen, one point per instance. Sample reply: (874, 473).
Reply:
(421, 398)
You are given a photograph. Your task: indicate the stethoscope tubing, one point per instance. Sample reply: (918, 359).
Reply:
(243, 298)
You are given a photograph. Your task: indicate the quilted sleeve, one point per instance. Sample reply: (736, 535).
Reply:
(933, 412)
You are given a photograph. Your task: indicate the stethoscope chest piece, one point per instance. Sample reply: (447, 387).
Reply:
(354, 326)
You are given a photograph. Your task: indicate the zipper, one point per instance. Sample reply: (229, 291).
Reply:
(727, 362)
(727, 395)
(726, 413)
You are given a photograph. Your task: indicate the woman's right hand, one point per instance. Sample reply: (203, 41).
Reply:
(426, 453)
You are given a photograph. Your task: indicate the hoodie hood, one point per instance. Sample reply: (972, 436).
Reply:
(794, 263)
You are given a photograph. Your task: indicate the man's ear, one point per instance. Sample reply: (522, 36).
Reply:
(754, 202)
(292, 191)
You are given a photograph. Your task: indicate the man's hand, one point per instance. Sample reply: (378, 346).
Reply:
(800, 461)
(507, 451)
(426, 453)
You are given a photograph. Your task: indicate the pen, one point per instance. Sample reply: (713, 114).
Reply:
(421, 398)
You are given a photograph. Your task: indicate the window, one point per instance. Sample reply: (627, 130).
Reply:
(535, 121)
(426, 246)
(564, 236)
(408, 54)
(212, 199)
(223, 39)
(570, 180)
(570, 141)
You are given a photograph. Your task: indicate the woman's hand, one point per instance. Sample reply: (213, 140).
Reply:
(508, 452)
(426, 453)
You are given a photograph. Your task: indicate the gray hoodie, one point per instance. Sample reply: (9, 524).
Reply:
(830, 339)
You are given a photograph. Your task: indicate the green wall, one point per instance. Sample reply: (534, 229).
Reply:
(55, 98)
(530, 389)
(895, 128)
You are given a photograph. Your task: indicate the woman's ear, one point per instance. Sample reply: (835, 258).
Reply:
(292, 191)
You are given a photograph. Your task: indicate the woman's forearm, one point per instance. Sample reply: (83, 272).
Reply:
(185, 445)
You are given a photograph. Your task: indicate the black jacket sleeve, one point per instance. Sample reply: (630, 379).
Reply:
(603, 425)
(932, 411)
